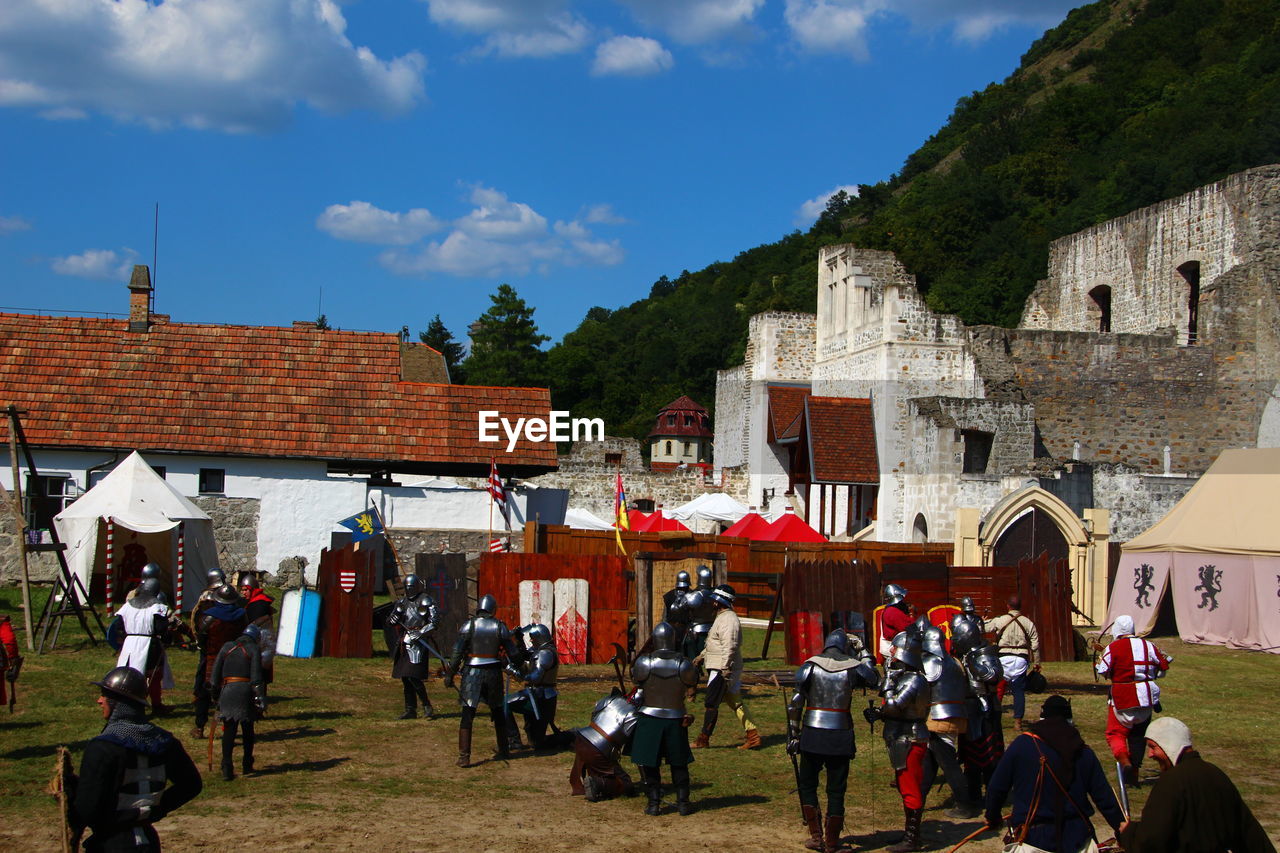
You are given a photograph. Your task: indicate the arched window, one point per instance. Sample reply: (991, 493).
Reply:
(920, 530)
(1190, 272)
(1101, 307)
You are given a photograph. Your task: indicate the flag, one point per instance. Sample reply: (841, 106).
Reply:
(363, 524)
(497, 492)
(497, 546)
(621, 520)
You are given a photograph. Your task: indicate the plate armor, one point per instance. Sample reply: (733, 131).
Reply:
(663, 676)
(612, 722)
(487, 636)
(906, 705)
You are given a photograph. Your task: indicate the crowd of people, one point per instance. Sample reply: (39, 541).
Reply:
(938, 711)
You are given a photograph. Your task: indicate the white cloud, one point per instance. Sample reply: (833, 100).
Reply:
(102, 264)
(516, 28)
(830, 26)
(500, 236)
(602, 214)
(812, 209)
(13, 224)
(361, 222)
(631, 56)
(695, 21)
(219, 64)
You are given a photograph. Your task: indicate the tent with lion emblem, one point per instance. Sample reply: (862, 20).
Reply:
(1218, 551)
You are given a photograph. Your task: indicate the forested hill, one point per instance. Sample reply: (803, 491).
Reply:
(1125, 103)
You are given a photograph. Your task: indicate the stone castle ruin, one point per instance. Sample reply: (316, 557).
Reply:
(1152, 345)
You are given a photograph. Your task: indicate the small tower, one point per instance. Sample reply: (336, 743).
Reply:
(681, 436)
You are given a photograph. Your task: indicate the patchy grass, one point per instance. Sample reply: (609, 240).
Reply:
(339, 771)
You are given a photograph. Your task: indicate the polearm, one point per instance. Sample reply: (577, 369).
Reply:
(791, 734)
(871, 763)
(618, 656)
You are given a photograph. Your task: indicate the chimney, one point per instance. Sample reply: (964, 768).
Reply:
(140, 299)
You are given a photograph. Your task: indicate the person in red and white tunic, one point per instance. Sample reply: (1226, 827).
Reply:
(1133, 665)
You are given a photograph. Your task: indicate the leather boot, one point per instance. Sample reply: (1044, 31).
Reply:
(683, 806)
(911, 836)
(835, 823)
(654, 790)
(752, 739)
(464, 747)
(813, 820)
(410, 713)
(227, 773)
(428, 712)
(703, 741)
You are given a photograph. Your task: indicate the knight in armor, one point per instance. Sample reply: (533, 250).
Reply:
(536, 701)
(411, 626)
(820, 730)
(146, 625)
(258, 611)
(597, 773)
(132, 774)
(903, 713)
(483, 640)
(722, 655)
(982, 744)
(217, 620)
(948, 718)
(1133, 665)
(662, 727)
(150, 570)
(675, 607)
(895, 618)
(702, 612)
(236, 685)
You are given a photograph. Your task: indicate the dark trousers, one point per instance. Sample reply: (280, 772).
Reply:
(415, 690)
(811, 766)
(229, 740)
(200, 692)
(499, 725)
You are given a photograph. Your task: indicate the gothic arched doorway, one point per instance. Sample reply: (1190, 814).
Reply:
(1031, 534)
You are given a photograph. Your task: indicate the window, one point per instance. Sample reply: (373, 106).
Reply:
(977, 450)
(46, 496)
(668, 453)
(212, 481)
(1190, 272)
(1101, 308)
(688, 420)
(686, 448)
(671, 420)
(613, 459)
(644, 504)
(920, 530)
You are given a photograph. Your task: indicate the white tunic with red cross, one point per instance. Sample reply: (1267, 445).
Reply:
(1133, 665)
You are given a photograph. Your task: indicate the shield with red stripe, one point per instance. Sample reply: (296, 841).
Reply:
(347, 579)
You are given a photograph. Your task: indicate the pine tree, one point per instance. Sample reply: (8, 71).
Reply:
(439, 338)
(505, 344)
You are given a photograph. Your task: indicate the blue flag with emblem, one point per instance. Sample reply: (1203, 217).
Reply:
(363, 524)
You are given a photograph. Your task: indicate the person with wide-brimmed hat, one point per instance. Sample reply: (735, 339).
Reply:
(132, 774)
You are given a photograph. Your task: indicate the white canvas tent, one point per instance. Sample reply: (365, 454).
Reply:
(148, 515)
(1218, 551)
(585, 519)
(706, 512)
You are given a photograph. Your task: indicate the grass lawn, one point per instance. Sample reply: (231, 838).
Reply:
(338, 771)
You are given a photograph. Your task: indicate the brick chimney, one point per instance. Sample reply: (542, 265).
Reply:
(140, 299)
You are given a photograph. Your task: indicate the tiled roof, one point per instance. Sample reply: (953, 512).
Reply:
(683, 403)
(786, 404)
(251, 391)
(680, 409)
(842, 440)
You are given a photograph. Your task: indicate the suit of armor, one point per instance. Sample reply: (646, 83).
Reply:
(596, 772)
(536, 702)
(236, 683)
(948, 719)
(661, 732)
(906, 708)
(412, 620)
(983, 744)
(675, 611)
(483, 640)
(820, 729)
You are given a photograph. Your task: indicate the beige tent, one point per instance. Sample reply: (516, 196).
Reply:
(1218, 550)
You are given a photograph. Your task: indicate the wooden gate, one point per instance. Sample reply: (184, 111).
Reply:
(656, 575)
(345, 581)
(445, 577)
(500, 575)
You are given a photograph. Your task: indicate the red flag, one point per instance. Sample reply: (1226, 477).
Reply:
(496, 491)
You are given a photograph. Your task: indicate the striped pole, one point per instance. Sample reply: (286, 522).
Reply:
(111, 567)
(182, 542)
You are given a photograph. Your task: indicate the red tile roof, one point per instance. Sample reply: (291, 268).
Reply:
(786, 404)
(842, 440)
(680, 409)
(88, 383)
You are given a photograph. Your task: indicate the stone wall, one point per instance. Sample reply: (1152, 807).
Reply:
(1137, 500)
(1138, 255)
(235, 529)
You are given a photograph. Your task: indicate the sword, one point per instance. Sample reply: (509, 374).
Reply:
(533, 702)
(1124, 792)
(791, 733)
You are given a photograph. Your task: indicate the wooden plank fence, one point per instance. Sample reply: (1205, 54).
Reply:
(346, 617)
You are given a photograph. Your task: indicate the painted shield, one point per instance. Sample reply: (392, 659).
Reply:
(347, 579)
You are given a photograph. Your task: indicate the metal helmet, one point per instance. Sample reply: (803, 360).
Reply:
(906, 650)
(966, 606)
(919, 626)
(894, 594)
(487, 604)
(151, 570)
(934, 641)
(539, 635)
(966, 634)
(124, 682)
(838, 640)
(413, 586)
(664, 637)
(704, 577)
(723, 595)
(150, 585)
(226, 594)
(253, 632)
(215, 576)
(682, 579)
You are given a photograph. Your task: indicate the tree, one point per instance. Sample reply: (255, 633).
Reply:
(505, 344)
(322, 323)
(440, 339)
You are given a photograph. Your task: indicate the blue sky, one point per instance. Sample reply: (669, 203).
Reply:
(384, 161)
